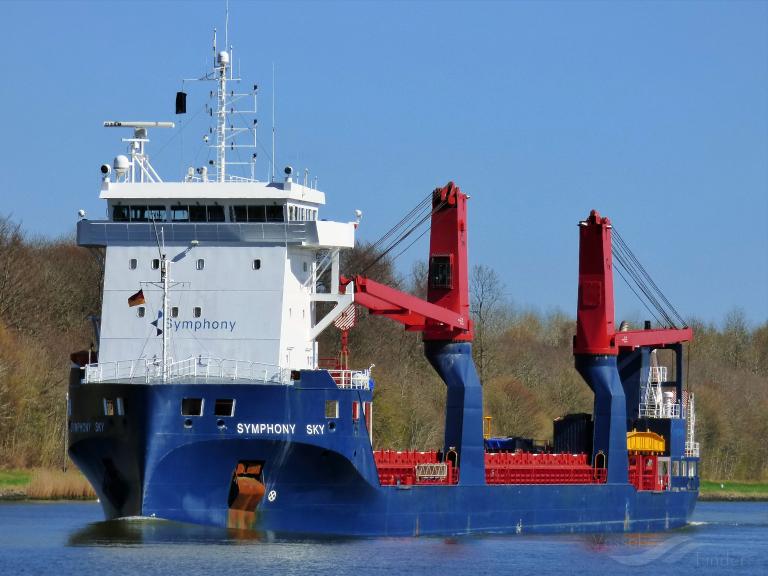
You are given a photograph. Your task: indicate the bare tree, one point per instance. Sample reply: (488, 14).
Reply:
(489, 314)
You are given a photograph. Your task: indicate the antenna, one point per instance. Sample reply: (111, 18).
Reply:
(272, 176)
(226, 24)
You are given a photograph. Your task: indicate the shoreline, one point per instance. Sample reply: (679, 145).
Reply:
(20, 495)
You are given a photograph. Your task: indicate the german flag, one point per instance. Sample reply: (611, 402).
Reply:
(137, 299)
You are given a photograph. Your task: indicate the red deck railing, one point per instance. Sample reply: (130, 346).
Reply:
(409, 467)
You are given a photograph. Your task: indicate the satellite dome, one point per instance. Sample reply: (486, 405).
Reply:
(223, 57)
(120, 164)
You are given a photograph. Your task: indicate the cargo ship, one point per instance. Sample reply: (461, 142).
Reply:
(207, 400)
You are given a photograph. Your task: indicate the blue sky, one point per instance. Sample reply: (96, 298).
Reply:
(656, 114)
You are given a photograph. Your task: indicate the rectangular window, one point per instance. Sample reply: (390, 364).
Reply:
(155, 263)
(197, 214)
(138, 213)
(691, 469)
(257, 264)
(675, 468)
(440, 272)
(109, 407)
(240, 213)
(355, 410)
(197, 312)
(120, 407)
(140, 311)
(683, 468)
(174, 311)
(191, 406)
(331, 408)
(256, 214)
(132, 263)
(275, 213)
(120, 214)
(224, 407)
(155, 213)
(200, 264)
(215, 213)
(180, 213)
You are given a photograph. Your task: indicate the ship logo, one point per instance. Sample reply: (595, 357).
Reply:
(156, 322)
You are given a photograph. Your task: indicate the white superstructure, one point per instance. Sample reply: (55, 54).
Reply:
(228, 266)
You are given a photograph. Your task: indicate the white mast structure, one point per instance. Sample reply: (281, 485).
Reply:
(226, 134)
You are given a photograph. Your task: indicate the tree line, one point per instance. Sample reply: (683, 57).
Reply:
(49, 289)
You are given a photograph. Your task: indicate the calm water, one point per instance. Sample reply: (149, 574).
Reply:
(70, 538)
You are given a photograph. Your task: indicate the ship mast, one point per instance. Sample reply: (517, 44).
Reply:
(222, 63)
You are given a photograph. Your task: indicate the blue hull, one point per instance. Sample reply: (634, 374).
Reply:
(319, 475)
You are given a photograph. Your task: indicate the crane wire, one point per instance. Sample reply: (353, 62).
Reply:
(644, 283)
(407, 225)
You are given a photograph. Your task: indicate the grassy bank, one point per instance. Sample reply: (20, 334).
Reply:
(727, 490)
(43, 484)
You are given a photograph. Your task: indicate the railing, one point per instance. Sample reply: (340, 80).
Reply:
(692, 449)
(198, 368)
(431, 472)
(658, 374)
(354, 379)
(653, 410)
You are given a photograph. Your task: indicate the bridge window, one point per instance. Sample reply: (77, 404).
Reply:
(138, 213)
(200, 264)
(224, 407)
(197, 214)
(275, 213)
(180, 213)
(249, 213)
(215, 213)
(191, 406)
(120, 214)
(238, 213)
(132, 263)
(155, 213)
(440, 272)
